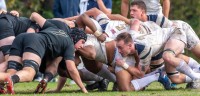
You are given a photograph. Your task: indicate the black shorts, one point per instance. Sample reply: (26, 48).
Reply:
(28, 42)
(6, 28)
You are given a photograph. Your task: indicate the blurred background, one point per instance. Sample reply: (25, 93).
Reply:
(186, 10)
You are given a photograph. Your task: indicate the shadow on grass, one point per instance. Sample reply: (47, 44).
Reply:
(64, 91)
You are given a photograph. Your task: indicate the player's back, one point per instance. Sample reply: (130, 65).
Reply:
(115, 27)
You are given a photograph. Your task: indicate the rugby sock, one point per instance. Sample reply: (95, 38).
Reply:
(185, 69)
(187, 79)
(48, 76)
(89, 76)
(155, 71)
(15, 79)
(145, 81)
(105, 73)
(194, 65)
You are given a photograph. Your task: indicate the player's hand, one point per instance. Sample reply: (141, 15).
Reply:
(84, 90)
(2, 11)
(119, 62)
(102, 37)
(111, 69)
(14, 13)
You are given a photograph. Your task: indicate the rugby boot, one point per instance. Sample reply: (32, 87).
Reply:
(2, 90)
(92, 86)
(103, 85)
(9, 85)
(41, 87)
(164, 80)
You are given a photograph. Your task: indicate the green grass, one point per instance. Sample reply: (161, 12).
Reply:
(155, 89)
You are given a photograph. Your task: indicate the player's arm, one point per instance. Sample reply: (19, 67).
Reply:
(84, 20)
(166, 8)
(118, 17)
(135, 24)
(124, 7)
(2, 11)
(33, 28)
(88, 52)
(134, 71)
(35, 17)
(71, 67)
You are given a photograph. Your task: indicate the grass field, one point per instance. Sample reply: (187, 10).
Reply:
(155, 89)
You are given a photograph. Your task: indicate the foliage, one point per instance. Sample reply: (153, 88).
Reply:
(26, 7)
(187, 10)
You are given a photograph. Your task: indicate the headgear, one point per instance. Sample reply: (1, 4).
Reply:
(77, 34)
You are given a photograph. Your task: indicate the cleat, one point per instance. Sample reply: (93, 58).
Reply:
(41, 88)
(115, 87)
(92, 86)
(189, 85)
(173, 86)
(103, 85)
(193, 85)
(9, 85)
(164, 80)
(2, 91)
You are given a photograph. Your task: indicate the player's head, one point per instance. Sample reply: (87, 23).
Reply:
(137, 9)
(124, 43)
(79, 37)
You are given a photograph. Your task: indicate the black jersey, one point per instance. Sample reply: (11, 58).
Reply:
(19, 24)
(59, 42)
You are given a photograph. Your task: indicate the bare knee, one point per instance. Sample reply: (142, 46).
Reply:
(168, 57)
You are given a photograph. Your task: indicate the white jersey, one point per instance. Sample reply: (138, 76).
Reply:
(153, 6)
(148, 27)
(191, 38)
(151, 44)
(161, 20)
(115, 27)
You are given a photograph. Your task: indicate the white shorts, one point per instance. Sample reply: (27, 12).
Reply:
(190, 39)
(191, 36)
